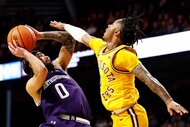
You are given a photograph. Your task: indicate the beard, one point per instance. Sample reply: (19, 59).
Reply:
(49, 66)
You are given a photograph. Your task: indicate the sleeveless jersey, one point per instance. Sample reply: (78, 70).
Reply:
(117, 86)
(62, 95)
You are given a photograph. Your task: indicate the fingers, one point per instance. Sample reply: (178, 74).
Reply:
(33, 29)
(52, 22)
(170, 112)
(175, 108)
(38, 34)
(182, 110)
(15, 44)
(58, 25)
(179, 110)
(11, 48)
(28, 26)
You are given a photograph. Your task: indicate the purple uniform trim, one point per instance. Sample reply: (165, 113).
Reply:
(62, 95)
(58, 122)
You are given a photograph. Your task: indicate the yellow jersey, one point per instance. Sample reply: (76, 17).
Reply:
(117, 83)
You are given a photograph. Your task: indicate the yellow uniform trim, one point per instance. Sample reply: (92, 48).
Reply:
(117, 82)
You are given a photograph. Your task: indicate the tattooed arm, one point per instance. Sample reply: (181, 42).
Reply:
(142, 73)
(67, 49)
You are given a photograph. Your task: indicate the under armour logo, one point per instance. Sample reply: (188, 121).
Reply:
(53, 122)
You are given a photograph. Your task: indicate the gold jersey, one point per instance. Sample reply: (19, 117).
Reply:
(117, 83)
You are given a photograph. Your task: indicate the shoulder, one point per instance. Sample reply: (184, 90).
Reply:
(129, 50)
(126, 55)
(126, 51)
(96, 43)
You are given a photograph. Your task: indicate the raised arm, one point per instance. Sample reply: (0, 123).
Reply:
(142, 73)
(67, 49)
(40, 71)
(77, 33)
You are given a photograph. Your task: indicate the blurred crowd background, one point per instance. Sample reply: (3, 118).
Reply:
(160, 17)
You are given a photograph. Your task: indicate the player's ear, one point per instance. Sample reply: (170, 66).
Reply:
(117, 32)
(30, 65)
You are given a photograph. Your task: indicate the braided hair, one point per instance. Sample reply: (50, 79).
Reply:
(130, 30)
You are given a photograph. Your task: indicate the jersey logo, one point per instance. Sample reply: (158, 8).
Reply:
(53, 122)
(106, 71)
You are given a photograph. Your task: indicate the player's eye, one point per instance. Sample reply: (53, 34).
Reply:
(39, 54)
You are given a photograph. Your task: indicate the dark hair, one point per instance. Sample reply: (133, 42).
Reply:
(130, 31)
(26, 66)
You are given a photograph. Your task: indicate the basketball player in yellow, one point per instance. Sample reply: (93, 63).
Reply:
(118, 65)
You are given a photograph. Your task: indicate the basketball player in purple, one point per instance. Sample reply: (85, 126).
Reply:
(60, 97)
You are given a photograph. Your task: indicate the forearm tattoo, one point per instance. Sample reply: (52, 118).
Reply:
(62, 37)
(152, 83)
(69, 44)
(59, 36)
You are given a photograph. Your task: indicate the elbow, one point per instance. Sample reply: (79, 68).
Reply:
(37, 81)
(43, 70)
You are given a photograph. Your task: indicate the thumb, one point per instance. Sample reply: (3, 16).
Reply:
(170, 112)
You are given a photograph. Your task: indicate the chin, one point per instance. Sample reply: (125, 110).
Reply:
(103, 38)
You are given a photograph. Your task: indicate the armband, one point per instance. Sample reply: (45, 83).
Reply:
(75, 32)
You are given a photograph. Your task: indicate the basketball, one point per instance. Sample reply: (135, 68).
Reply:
(23, 35)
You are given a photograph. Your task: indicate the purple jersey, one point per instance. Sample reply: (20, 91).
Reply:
(62, 95)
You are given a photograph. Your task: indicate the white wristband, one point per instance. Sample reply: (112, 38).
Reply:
(75, 32)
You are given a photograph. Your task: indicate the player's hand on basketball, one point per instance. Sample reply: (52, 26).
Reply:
(36, 32)
(16, 50)
(175, 108)
(58, 25)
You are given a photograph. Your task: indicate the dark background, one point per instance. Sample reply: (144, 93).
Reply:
(171, 70)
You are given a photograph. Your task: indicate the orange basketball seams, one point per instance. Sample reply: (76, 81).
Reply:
(23, 36)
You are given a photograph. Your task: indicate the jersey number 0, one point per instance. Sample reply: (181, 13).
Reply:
(61, 90)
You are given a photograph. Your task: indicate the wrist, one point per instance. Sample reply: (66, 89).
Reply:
(168, 101)
(25, 53)
(39, 35)
(76, 32)
(62, 26)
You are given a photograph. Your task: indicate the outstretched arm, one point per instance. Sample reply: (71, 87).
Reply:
(142, 73)
(77, 33)
(59, 36)
(67, 49)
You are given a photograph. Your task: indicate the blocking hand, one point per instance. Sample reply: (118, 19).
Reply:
(58, 25)
(175, 108)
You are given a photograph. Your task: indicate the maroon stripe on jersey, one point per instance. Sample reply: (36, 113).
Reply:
(133, 116)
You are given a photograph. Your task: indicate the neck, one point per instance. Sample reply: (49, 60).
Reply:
(113, 44)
